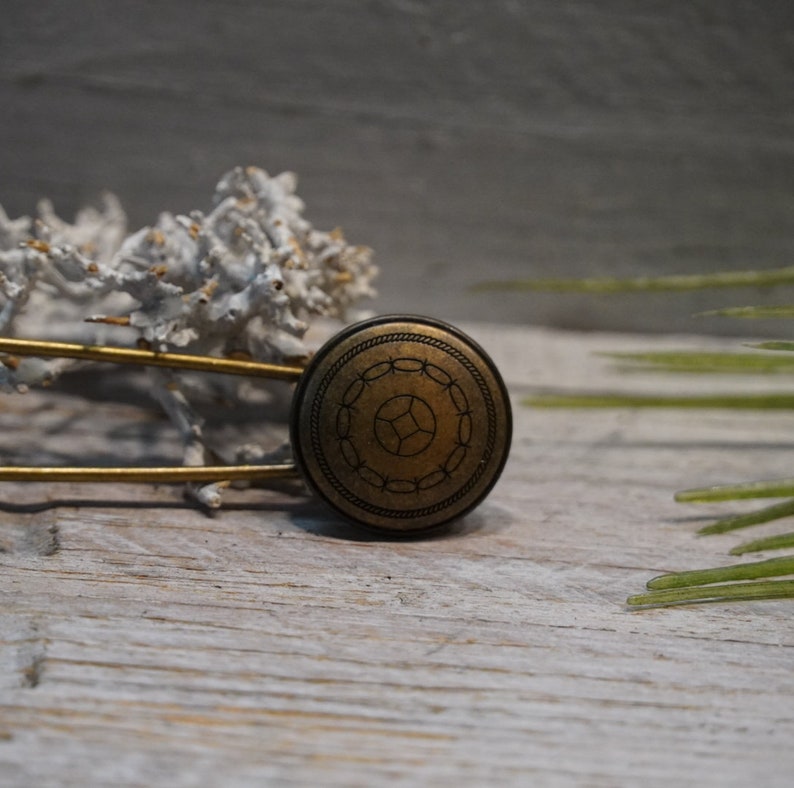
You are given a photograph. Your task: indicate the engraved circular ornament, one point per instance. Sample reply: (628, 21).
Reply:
(401, 423)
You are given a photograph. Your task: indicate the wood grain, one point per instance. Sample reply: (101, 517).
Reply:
(461, 140)
(143, 643)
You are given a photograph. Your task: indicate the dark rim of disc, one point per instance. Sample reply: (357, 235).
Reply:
(356, 328)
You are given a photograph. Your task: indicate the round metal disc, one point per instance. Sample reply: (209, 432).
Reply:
(401, 423)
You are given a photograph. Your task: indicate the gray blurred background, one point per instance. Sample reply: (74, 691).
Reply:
(461, 140)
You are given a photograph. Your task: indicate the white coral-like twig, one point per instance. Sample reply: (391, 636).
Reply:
(244, 278)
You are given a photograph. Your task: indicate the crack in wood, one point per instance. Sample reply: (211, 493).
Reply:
(32, 672)
(40, 538)
(23, 654)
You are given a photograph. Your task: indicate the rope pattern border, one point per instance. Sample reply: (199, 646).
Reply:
(314, 422)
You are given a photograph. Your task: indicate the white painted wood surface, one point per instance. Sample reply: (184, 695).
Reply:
(143, 643)
(460, 139)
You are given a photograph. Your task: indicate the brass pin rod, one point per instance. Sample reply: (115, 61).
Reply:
(151, 358)
(179, 473)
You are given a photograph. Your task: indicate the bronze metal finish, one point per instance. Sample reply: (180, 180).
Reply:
(164, 475)
(399, 423)
(148, 358)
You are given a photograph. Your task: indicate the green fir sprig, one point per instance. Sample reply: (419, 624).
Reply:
(769, 579)
(647, 284)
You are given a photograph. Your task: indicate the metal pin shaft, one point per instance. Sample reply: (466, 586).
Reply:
(150, 358)
(179, 473)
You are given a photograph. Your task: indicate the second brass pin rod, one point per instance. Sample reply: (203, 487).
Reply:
(177, 473)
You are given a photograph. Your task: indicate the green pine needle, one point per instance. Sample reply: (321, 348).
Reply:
(773, 567)
(727, 401)
(699, 362)
(681, 283)
(775, 488)
(774, 345)
(765, 515)
(752, 312)
(726, 592)
(777, 542)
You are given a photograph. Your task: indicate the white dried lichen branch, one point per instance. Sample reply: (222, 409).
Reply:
(245, 278)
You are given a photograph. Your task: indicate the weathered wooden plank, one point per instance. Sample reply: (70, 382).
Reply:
(143, 643)
(459, 139)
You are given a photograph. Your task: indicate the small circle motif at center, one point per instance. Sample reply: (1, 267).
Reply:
(405, 425)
